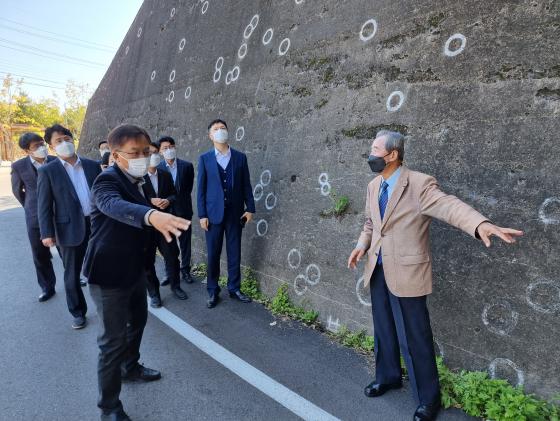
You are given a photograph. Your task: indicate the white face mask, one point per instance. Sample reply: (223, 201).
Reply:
(170, 153)
(155, 159)
(40, 152)
(137, 167)
(65, 149)
(103, 152)
(221, 136)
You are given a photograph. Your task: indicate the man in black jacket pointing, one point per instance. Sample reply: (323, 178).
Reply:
(115, 264)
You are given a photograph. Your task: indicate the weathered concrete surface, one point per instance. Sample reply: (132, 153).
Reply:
(483, 119)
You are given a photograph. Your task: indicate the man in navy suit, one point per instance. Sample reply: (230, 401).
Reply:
(115, 264)
(24, 187)
(159, 190)
(225, 204)
(64, 208)
(183, 177)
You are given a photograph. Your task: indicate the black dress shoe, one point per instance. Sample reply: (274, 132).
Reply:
(118, 415)
(186, 277)
(180, 294)
(79, 323)
(155, 301)
(374, 389)
(238, 295)
(164, 283)
(213, 301)
(141, 374)
(46, 296)
(427, 412)
(83, 283)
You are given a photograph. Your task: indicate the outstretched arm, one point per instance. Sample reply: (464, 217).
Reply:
(108, 199)
(448, 208)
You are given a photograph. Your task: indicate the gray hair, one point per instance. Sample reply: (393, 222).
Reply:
(394, 141)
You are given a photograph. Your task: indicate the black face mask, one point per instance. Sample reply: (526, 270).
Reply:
(377, 163)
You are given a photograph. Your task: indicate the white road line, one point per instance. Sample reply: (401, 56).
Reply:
(280, 393)
(54, 252)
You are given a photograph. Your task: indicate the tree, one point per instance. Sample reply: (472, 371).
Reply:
(8, 93)
(17, 107)
(75, 107)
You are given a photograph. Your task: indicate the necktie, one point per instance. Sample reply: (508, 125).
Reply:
(383, 199)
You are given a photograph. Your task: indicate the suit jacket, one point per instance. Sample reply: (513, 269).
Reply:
(166, 189)
(403, 235)
(210, 193)
(117, 246)
(60, 213)
(24, 187)
(183, 185)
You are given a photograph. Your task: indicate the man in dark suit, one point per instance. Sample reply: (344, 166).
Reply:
(64, 209)
(160, 193)
(183, 177)
(103, 149)
(115, 264)
(24, 187)
(225, 203)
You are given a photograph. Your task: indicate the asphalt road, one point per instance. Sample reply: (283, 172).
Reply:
(48, 371)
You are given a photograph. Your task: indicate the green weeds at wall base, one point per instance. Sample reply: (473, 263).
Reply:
(472, 391)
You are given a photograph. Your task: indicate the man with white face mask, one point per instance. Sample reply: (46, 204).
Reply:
(24, 187)
(225, 204)
(64, 208)
(183, 177)
(115, 264)
(160, 191)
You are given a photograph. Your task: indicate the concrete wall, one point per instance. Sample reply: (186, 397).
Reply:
(474, 85)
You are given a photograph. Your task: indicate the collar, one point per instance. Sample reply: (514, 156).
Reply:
(154, 174)
(174, 165)
(227, 154)
(35, 162)
(64, 163)
(392, 180)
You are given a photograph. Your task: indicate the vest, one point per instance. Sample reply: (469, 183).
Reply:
(226, 177)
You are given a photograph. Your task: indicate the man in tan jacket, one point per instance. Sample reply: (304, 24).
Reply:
(400, 205)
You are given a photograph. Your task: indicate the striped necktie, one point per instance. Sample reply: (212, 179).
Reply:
(383, 199)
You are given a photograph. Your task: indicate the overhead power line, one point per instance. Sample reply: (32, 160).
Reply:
(49, 57)
(29, 67)
(44, 86)
(59, 35)
(42, 36)
(32, 77)
(52, 53)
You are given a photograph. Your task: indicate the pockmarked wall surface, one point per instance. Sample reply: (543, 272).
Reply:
(305, 85)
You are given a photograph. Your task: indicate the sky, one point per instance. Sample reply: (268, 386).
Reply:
(48, 42)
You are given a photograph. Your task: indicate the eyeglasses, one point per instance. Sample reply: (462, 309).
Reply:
(143, 154)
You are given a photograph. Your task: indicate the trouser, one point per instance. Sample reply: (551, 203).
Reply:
(42, 259)
(170, 253)
(232, 229)
(184, 241)
(122, 317)
(73, 259)
(403, 322)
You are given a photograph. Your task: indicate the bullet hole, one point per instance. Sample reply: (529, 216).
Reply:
(293, 178)
(477, 330)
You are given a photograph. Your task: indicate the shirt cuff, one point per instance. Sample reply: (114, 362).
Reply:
(361, 245)
(147, 217)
